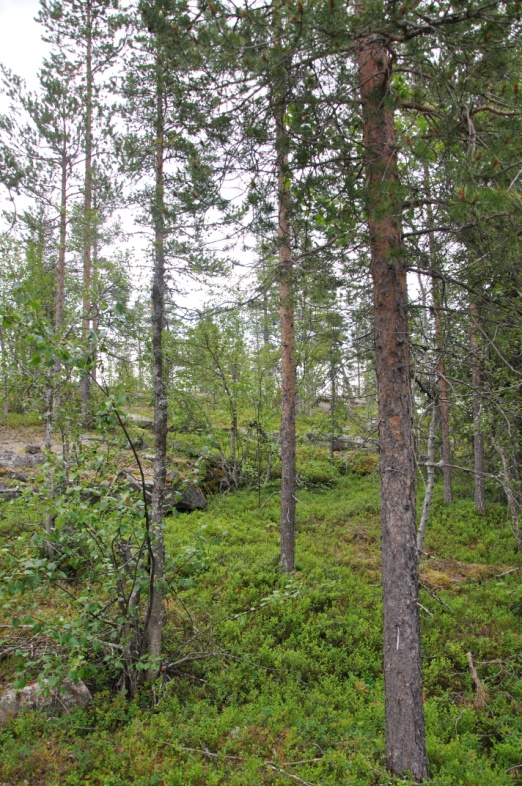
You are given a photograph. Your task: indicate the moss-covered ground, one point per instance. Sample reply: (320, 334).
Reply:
(277, 680)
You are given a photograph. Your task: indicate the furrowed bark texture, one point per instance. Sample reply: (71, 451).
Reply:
(286, 312)
(157, 567)
(478, 434)
(405, 731)
(85, 386)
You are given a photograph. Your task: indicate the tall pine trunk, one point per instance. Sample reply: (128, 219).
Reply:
(405, 730)
(478, 434)
(286, 313)
(154, 628)
(85, 386)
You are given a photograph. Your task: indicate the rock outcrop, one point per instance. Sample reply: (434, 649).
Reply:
(140, 421)
(181, 495)
(11, 460)
(346, 442)
(32, 697)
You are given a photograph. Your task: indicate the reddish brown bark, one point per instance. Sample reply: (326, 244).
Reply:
(405, 730)
(286, 313)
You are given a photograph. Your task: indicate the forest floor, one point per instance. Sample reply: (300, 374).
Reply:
(278, 679)
(15, 440)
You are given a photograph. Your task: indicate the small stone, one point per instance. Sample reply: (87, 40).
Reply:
(140, 421)
(7, 494)
(32, 449)
(179, 494)
(31, 697)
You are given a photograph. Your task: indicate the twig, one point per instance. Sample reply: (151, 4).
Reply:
(435, 597)
(269, 764)
(480, 695)
(302, 761)
(459, 717)
(268, 500)
(205, 752)
(506, 573)
(274, 767)
(189, 658)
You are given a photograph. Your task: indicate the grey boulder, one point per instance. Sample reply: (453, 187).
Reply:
(180, 494)
(32, 697)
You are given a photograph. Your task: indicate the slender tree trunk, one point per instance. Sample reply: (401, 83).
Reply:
(428, 494)
(154, 630)
(48, 420)
(441, 368)
(478, 434)
(234, 433)
(5, 375)
(286, 313)
(60, 273)
(511, 482)
(266, 329)
(332, 407)
(443, 399)
(95, 245)
(405, 730)
(85, 386)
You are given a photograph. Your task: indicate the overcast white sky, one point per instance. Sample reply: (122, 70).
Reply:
(21, 47)
(22, 50)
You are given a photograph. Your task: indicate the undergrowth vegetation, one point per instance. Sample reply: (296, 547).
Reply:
(269, 676)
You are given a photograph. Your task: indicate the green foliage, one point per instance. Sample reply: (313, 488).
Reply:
(290, 670)
(314, 467)
(23, 419)
(363, 463)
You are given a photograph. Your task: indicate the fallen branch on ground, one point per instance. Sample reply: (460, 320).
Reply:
(268, 764)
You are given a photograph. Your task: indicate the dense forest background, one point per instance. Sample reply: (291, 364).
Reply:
(260, 341)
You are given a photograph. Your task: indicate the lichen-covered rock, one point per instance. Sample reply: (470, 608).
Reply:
(33, 449)
(140, 421)
(341, 443)
(7, 493)
(184, 497)
(32, 697)
(11, 460)
(179, 494)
